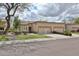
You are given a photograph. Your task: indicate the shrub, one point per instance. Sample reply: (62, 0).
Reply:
(78, 30)
(67, 32)
(11, 30)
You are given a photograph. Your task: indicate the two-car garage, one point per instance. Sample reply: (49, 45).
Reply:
(47, 30)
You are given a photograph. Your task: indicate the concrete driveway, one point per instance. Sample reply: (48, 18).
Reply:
(59, 36)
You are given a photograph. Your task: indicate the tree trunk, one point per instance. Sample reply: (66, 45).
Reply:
(7, 26)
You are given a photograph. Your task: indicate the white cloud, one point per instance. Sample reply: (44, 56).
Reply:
(50, 11)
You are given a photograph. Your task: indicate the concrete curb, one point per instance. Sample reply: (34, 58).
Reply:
(2, 43)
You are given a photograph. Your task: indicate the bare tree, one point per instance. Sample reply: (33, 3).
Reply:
(11, 9)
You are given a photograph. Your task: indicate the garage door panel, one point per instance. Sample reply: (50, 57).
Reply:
(44, 30)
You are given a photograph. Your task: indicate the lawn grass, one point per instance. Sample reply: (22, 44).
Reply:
(3, 38)
(75, 32)
(25, 37)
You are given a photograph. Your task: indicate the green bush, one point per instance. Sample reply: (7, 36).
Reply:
(11, 30)
(67, 32)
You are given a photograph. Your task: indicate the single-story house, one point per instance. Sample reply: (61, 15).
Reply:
(48, 27)
(44, 27)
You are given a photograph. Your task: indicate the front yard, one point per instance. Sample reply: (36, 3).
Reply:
(75, 33)
(23, 37)
(3, 38)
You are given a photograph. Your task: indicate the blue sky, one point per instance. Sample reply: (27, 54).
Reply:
(48, 12)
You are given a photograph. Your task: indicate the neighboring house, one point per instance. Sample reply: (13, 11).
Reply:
(73, 27)
(44, 27)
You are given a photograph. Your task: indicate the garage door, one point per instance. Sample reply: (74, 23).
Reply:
(44, 30)
(58, 29)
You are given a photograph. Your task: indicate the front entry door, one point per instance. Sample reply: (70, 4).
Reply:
(30, 29)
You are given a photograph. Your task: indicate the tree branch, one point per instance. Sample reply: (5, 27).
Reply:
(5, 6)
(12, 4)
(8, 5)
(15, 10)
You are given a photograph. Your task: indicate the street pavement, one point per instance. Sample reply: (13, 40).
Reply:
(63, 47)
